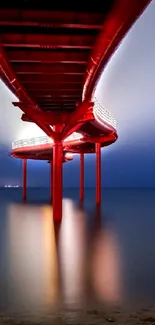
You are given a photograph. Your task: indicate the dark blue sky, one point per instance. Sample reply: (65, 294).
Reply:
(127, 89)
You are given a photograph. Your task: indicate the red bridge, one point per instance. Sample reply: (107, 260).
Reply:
(51, 58)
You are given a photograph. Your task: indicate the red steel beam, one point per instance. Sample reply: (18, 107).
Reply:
(27, 79)
(35, 150)
(50, 41)
(58, 109)
(48, 57)
(28, 156)
(55, 101)
(34, 115)
(63, 86)
(115, 27)
(51, 179)
(112, 136)
(37, 68)
(57, 98)
(48, 118)
(46, 95)
(57, 104)
(26, 118)
(52, 90)
(8, 74)
(51, 19)
(79, 113)
(49, 25)
(56, 93)
(54, 86)
(51, 74)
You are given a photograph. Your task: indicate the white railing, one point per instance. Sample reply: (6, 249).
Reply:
(101, 115)
(36, 141)
(31, 142)
(74, 136)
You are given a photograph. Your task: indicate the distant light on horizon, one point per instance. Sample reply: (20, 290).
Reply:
(10, 186)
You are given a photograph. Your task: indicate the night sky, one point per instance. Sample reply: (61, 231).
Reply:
(127, 89)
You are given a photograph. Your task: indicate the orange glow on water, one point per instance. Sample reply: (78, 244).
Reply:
(50, 257)
(106, 270)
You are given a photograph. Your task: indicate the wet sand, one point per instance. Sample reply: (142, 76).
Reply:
(71, 316)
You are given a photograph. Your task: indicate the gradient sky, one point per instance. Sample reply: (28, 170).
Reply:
(127, 89)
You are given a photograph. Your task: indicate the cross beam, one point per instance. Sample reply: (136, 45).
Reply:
(77, 118)
(34, 115)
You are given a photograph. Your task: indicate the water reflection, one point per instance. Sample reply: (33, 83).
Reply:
(49, 264)
(72, 250)
(33, 258)
(106, 271)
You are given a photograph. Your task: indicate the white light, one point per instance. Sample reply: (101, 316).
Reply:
(69, 155)
(31, 131)
(74, 136)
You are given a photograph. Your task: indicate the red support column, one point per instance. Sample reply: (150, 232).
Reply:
(81, 177)
(98, 173)
(57, 180)
(51, 180)
(24, 178)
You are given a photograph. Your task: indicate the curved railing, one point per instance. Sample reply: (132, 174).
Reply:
(37, 141)
(101, 115)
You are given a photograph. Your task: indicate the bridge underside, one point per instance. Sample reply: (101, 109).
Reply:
(51, 58)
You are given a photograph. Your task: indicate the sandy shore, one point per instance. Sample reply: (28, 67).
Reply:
(90, 316)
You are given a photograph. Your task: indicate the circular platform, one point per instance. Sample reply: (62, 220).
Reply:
(102, 128)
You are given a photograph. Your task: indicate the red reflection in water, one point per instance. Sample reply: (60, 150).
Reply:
(49, 265)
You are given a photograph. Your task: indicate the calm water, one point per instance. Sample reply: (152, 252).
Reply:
(106, 256)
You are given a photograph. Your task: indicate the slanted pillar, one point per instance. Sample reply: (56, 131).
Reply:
(81, 177)
(98, 173)
(24, 178)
